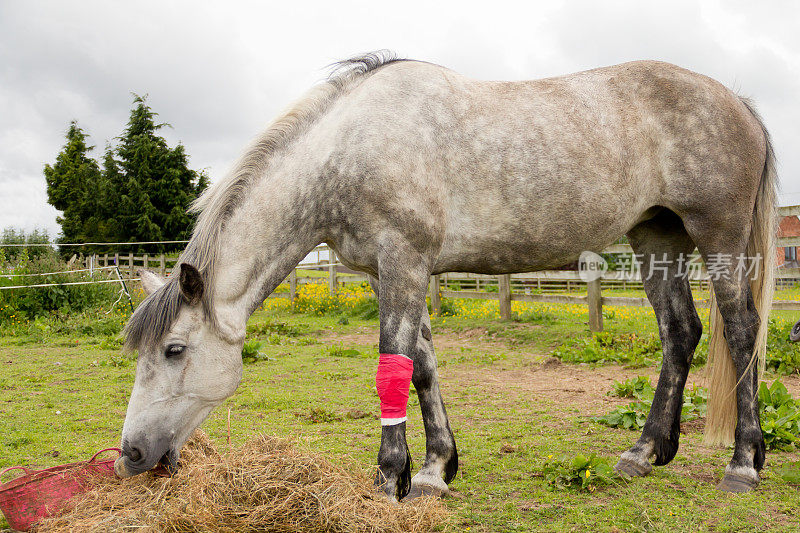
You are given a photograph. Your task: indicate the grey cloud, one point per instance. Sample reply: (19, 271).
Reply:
(219, 72)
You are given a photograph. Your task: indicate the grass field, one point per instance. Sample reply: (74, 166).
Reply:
(513, 408)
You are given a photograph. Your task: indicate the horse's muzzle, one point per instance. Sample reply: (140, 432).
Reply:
(121, 469)
(125, 468)
(142, 454)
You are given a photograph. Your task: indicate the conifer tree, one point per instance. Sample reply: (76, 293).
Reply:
(72, 184)
(113, 185)
(142, 193)
(158, 184)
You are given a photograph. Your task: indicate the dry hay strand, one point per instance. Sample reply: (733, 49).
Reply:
(265, 485)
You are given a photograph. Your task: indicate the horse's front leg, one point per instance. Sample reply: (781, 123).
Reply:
(401, 295)
(441, 457)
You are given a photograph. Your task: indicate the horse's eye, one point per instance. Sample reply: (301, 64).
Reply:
(174, 350)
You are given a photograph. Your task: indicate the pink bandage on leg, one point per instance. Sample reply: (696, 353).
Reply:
(392, 381)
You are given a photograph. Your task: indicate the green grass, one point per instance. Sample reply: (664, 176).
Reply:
(66, 392)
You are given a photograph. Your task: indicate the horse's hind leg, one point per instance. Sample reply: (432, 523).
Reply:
(741, 324)
(664, 246)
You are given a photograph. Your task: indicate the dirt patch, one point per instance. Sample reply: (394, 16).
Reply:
(698, 425)
(698, 472)
(792, 383)
(571, 385)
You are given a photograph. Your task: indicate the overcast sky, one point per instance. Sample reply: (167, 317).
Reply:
(219, 72)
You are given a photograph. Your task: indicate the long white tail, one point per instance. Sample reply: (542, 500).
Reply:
(722, 412)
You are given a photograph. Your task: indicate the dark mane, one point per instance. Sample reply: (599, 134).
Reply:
(157, 312)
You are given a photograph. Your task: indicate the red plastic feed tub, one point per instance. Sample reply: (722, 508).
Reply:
(38, 494)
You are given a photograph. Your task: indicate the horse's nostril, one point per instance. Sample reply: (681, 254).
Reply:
(135, 455)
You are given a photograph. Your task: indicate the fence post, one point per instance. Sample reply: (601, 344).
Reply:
(130, 265)
(594, 300)
(146, 261)
(332, 272)
(436, 299)
(162, 266)
(504, 294)
(293, 285)
(116, 259)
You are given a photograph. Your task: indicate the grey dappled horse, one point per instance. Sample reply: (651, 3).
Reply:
(408, 169)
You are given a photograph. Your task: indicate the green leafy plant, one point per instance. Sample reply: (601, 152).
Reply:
(341, 351)
(265, 329)
(631, 416)
(634, 415)
(580, 473)
(780, 417)
(319, 415)
(638, 387)
(18, 306)
(364, 308)
(789, 472)
(695, 403)
(700, 357)
(447, 307)
(783, 356)
(628, 349)
(251, 353)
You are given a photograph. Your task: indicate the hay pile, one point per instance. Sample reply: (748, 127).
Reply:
(266, 485)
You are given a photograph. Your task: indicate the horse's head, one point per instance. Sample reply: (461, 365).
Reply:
(189, 362)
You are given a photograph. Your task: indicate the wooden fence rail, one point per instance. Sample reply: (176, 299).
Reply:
(525, 287)
(593, 299)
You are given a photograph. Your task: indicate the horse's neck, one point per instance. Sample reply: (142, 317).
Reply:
(264, 240)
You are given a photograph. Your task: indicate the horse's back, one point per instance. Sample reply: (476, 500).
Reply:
(540, 170)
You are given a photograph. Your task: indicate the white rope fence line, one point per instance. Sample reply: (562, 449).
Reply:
(68, 283)
(60, 272)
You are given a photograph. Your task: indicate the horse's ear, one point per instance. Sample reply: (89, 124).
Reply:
(191, 283)
(150, 282)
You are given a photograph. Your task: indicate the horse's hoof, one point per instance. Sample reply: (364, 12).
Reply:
(737, 484)
(633, 468)
(381, 494)
(420, 490)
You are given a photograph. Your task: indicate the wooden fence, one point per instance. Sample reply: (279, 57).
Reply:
(544, 286)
